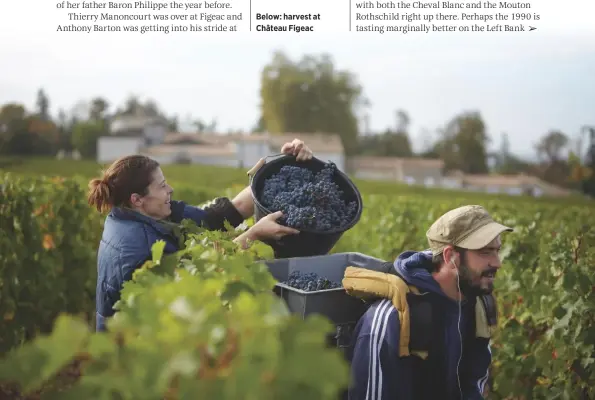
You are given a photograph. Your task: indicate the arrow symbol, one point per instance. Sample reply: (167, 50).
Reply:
(532, 28)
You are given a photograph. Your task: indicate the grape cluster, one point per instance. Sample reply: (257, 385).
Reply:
(308, 200)
(310, 282)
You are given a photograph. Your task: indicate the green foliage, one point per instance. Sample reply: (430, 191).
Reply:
(199, 321)
(546, 344)
(47, 251)
(204, 320)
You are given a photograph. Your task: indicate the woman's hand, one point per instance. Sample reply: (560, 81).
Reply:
(266, 228)
(298, 149)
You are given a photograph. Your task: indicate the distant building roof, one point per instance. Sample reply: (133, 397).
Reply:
(133, 124)
(383, 163)
(319, 143)
(198, 150)
(509, 181)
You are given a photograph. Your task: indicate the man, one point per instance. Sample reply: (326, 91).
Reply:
(453, 277)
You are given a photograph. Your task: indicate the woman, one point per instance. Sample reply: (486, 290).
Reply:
(138, 198)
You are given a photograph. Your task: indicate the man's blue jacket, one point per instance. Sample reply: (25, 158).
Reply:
(450, 372)
(127, 240)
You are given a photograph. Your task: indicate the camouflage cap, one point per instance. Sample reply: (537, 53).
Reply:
(467, 227)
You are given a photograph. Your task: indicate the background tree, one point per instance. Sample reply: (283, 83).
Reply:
(506, 162)
(85, 135)
(132, 106)
(203, 127)
(259, 126)
(44, 135)
(43, 105)
(583, 166)
(463, 144)
(393, 142)
(98, 109)
(13, 129)
(310, 96)
(553, 166)
(64, 131)
(23, 133)
(550, 146)
(173, 124)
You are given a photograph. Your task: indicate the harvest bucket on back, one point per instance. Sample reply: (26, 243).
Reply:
(332, 301)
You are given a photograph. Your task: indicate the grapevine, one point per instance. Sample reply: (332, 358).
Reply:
(204, 322)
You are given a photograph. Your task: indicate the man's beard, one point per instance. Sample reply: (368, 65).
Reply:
(466, 281)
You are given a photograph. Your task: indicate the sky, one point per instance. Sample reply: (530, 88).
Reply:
(523, 84)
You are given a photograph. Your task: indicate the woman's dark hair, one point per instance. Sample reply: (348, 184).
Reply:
(127, 175)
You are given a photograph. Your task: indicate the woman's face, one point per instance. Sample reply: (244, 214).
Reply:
(155, 203)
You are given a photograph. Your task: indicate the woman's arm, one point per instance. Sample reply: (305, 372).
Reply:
(244, 203)
(212, 217)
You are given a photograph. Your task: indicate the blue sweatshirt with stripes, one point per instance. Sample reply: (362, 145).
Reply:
(458, 362)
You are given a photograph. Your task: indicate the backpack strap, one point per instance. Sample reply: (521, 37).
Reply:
(400, 299)
(420, 324)
(486, 316)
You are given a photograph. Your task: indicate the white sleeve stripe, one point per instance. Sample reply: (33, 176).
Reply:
(384, 326)
(377, 332)
(481, 383)
(371, 359)
(370, 369)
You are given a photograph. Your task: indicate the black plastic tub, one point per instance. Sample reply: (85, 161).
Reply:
(308, 242)
(335, 304)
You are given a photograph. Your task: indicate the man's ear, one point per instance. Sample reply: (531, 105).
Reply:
(451, 257)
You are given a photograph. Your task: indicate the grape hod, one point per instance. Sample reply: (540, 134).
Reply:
(342, 309)
(335, 304)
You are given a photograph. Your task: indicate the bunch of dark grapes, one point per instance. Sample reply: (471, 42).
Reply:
(310, 282)
(308, 201)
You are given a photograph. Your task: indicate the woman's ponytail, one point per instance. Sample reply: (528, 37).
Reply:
(99, 195)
